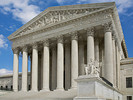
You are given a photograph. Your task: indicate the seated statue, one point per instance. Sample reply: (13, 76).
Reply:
(92, 68)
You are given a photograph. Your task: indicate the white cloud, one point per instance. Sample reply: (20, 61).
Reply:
(11, 28)
(122, 5)
(5, 72)
(60, 1)
(21, 9)
(3, 43)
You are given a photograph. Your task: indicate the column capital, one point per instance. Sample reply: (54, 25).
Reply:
(46, 43)
(90, 31)
(25, 48)
(113, 35)
(35, 46)
(74, 36)
(15, 50)
(60, 39)
(108, 27)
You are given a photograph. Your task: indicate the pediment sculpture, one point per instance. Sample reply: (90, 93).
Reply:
(55, 16)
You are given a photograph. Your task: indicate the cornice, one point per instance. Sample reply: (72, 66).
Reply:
(60, 8)
(119, 31)
(125, 48)
(126, 61)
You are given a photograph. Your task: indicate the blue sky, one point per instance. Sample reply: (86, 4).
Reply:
(15, 13)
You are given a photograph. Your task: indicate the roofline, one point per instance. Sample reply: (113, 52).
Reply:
(10, 75)
(58, 8)
(126, 61)
(125, 48)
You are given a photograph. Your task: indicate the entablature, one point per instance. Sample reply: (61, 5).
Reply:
(63, 29)
(55, 17)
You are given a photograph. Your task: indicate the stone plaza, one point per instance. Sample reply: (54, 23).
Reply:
(76, 52)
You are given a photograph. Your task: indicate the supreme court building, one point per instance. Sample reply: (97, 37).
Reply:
(75, 47)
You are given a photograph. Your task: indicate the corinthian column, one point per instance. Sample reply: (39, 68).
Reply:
(108, 59)
(46, 66)
(15, 70)
(60, 64)
(24, 69)
(90, 45)
(34, 68)
(114, 59)
(74, 60)
(97, 53)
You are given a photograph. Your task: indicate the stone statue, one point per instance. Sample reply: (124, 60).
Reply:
(97, 68)
(92, 68)
(86, 69)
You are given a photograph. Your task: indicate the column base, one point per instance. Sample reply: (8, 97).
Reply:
(88, 98)
(24, 91)
(59, 89)
(45, 90)
(15, 90)
(73, 88)
(33, 90)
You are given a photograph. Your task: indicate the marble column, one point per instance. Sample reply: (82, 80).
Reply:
(90, 45)
(46, 64)
(81, 57)
(67, 66)
(118, 67)
(114, 60)
(25, 70)
(102, 59)
(60, 64)
(108, 59)
(15, 69)
(34, 68)
(74, 60)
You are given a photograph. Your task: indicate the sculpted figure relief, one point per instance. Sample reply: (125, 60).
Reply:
(92, 68)
(55, 16)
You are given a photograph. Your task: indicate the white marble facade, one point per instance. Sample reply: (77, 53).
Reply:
(62, 42)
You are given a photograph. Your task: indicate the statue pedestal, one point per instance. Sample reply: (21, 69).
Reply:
(91, 87)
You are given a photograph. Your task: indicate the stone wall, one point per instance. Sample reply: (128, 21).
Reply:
(126, 72)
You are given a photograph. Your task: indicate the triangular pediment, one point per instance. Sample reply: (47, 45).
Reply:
(57, 14)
